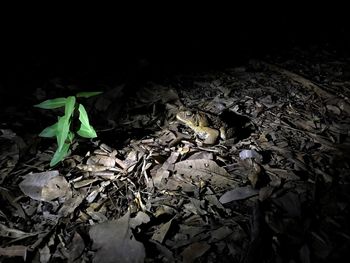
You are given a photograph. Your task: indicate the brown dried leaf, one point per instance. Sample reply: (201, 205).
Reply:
(102, 160)
(14, 251)
(160, 234)
(194, 251)
(70, 204)
(82, 183)
(76, 248)
(91, 168)
(14, 233)
(196, 207)
(45, 186)
(163, 172)
(195, 172)
(140, 218)
(238, 194)
(114, 241)
(220, 233)
(201, 155)
(45, 254)
(334, 109)
(168, 137)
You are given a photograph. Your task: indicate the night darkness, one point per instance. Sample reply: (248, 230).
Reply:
(98, 47)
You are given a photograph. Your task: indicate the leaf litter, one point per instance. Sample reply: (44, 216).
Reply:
(147, 190)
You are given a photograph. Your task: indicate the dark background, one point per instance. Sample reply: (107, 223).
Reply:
(119, 46)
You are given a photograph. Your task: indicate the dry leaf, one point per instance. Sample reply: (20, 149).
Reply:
(140, 218)
(195, 172)
(196, 206)
(102, 160)
(70, 204)
(45, 186)
(163, 172)
(220, 233)
(238, 194)
(114, 241)
(194, 251)
(45, 254)
(76, 248)
(13, 233)
(160, 234)
(14, 251)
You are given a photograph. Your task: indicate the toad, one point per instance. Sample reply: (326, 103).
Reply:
(199, 123)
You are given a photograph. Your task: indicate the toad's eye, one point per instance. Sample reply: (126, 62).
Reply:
(188, 113)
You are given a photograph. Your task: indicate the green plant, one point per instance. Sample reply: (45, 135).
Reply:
(62, 128)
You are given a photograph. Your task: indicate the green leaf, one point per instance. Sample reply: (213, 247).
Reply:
(52, 104)
(88, 94)
(62, 131)
(60, 155)
(70, 136)
(50, 131)
(69, 108)
(86, 130)
(83, 117)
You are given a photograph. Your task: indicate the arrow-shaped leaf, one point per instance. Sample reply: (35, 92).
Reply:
(69, 106)
(52, 104)
(60, 155)
(86, 130)
(50, 131)
(88, 94)
(62, 131)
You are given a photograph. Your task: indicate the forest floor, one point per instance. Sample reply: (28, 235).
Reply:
(150, 189)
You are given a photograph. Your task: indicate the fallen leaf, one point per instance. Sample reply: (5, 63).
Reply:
(195, 172)
(102, 160)
(196, 207)
(45, 254)
(333, 109)
(163, 172)
(220, 233)
(194, 251)
(160, 234)
(70, 204)
(45, 186)
(114, 241)
(14, 233)
(140, 218)
(76, 248)
(14, 251)
(238, 194)
(201, 155)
